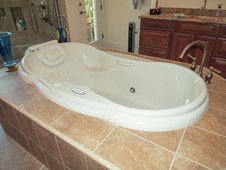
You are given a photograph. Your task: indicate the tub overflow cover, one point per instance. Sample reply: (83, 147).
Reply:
(132, 90)
(78, 91)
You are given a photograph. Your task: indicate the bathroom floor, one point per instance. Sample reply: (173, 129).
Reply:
(13, 156)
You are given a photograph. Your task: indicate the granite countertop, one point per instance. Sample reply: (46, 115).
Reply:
(199, 146)
(187, 18)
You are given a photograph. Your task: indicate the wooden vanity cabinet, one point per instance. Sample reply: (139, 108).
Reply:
(186, 32)
(167, 39)
(218, 59)
(156, 37)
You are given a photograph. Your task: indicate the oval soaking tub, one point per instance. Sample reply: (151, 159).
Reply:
(125, 90)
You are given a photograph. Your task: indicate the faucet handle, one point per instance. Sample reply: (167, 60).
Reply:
(209, 75)
(193, 64)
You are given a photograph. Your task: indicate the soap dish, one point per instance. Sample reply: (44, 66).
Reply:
(179, 15)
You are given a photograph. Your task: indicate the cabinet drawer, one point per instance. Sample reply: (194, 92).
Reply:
(156, 24)
(219, 64)
(220, 48)
(155, 52)
(197, 28)
(155, 39)
(222, 31)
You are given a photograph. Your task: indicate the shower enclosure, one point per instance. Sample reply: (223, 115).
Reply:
(38, 23)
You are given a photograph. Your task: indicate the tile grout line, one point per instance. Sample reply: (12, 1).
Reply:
(87, 167)
(216, 109)
(59, 150)
(216, 91)
(104, 139)
(41, 167)
(40, 142)
(59, 118)
(176, 153)
(195, 162)
(209, 131)
(29, 100)
(148, 141)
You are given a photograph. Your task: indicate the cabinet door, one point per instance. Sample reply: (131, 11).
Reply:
(210, 41)
(219, 64)
(155, 38)
(220, 48)
(179, 42)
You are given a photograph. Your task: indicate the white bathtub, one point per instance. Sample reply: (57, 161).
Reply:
(133, 93)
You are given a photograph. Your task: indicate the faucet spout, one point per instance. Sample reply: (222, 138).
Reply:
(204, 49)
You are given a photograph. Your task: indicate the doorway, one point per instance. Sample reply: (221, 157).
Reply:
(85, 21)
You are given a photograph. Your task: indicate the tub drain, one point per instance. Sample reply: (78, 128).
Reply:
(78, 91)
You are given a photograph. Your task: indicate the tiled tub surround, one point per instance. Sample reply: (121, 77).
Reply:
(62, 139)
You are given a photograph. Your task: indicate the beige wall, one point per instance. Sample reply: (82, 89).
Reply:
(117, 15)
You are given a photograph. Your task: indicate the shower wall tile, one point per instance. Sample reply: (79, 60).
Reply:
(28, 21)
(4, 3)
(8, 24)
(23, 37)
(25, 5)
(14, 3)
(13, 39)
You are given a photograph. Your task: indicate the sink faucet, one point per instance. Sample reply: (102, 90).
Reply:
(204, 48)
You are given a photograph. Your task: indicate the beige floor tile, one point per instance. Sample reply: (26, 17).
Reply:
(217, 100)
(168, 140)
(43, 109)
(8, 83)
(214, 120)
(15, 157)
(204, 147)
(185, 164)
(87, 130)
(2, 72)
(130, 152)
